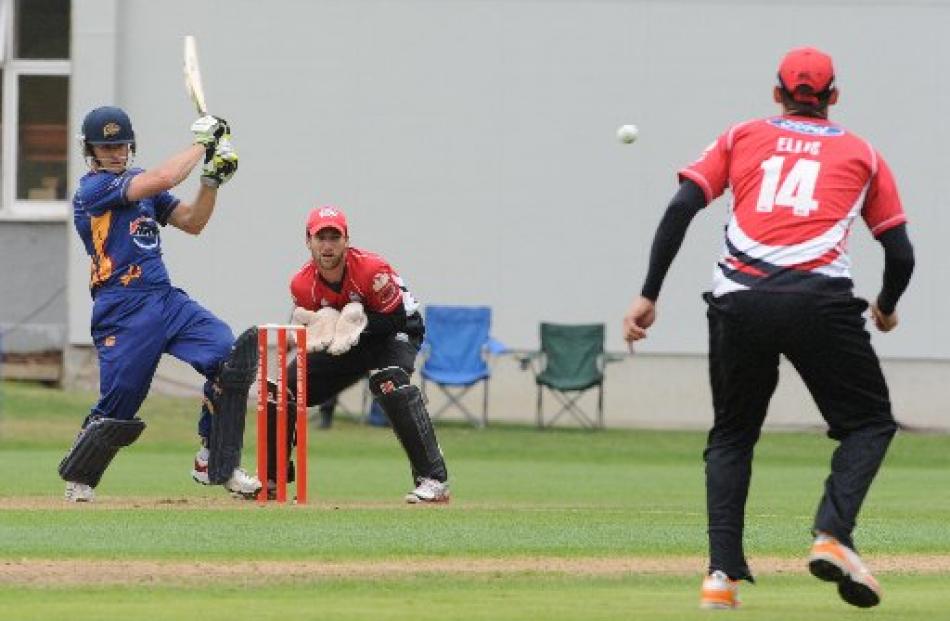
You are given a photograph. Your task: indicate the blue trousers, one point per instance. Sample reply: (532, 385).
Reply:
(131, 331)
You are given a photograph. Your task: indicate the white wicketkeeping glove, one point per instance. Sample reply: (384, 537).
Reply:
(351, 323)
(320, 326)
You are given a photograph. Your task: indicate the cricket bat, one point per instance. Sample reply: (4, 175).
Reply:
(193, 76)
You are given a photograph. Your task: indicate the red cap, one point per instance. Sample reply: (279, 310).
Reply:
(326, 217)
(806, 66)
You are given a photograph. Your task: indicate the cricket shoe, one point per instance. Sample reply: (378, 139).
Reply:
(79, 492)
(272, 483)
(428, 491)
(243, 485)
(832, 561)
(719, 592)
(200, 470)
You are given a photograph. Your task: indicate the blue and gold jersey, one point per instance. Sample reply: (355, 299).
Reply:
(120, 236)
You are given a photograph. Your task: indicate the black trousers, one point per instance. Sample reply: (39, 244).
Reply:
(327, 375)
(825, 340)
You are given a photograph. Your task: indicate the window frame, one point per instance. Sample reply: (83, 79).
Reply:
(12, 208)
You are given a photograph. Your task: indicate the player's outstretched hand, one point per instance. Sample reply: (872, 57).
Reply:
(884, 323)
(321, 326)
(351, 323)
(641, 316)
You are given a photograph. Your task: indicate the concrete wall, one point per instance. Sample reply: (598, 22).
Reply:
(472, 143)
(33, 313)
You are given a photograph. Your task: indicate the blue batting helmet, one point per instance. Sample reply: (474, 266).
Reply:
(108, 125)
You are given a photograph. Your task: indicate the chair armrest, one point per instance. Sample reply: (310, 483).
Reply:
(495, 347)
(425, 349)
(608, 357)
(526, 359)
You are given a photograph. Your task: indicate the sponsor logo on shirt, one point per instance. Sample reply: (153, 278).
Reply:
(144, 233)
(379, 281)
(385, 289)
(804, 127)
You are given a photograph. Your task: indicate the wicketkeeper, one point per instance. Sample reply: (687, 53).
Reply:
(361, 319)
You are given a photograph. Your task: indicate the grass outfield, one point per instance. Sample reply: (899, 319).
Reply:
(562, 524)
(448, 598)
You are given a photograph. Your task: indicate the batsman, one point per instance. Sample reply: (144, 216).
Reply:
(118, 212)
(361, 319)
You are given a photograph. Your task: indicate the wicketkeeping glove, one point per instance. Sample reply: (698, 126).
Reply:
(320, 326)
(349, 326)
(208, 130)
(223, 164)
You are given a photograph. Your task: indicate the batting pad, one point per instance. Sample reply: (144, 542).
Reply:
(95, 446)
(229, 407)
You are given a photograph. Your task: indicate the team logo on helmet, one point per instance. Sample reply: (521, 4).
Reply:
(328, 212)
(110, 129)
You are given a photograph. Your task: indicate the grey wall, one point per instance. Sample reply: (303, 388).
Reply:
(33, 312)
(472, 142)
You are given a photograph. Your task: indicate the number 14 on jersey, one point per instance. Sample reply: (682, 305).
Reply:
(797, 190)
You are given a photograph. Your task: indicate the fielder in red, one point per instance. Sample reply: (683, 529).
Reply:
(783, 286)
(362, 320)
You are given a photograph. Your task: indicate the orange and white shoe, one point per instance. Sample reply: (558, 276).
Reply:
(832, 561)
(719, 592)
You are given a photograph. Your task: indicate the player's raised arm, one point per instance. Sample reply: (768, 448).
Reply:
(221, 162)
(176, 169)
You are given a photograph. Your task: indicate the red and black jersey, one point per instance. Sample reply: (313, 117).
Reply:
(797, 183)
(367, 279)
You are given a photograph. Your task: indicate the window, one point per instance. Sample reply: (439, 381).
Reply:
(42, 29)
(41, 148)
(34, 96)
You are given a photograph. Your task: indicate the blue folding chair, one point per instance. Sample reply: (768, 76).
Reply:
(456, 343)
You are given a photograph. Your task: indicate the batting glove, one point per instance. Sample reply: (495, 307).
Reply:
(208, 130)
(222, 165)
(349, 326)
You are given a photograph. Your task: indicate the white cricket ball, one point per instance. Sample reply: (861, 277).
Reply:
(627, 133)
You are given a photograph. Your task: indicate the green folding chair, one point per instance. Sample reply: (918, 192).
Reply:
(570, 363)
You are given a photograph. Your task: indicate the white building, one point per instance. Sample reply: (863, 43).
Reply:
(472, 143)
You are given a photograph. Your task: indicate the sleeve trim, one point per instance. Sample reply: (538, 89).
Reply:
(699, 180)
(889, 224)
